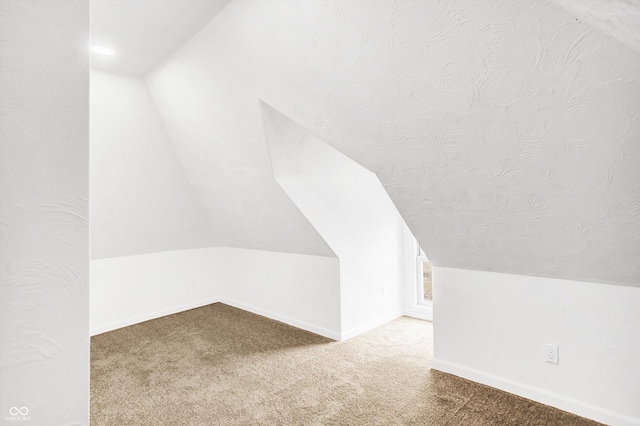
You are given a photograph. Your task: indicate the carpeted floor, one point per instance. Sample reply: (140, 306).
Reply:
(218, 365)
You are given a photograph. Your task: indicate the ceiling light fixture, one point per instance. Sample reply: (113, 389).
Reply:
(102, 50)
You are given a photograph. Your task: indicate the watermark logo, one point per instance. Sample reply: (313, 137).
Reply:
(18, 414)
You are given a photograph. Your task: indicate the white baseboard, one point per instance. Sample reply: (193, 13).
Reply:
(322, 331)
(421, 312)
(536, 394)
(371, 325)
(151, 315)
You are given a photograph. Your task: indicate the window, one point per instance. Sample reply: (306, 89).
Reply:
(424, 282)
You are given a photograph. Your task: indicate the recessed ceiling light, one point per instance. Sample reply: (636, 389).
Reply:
(102, 50)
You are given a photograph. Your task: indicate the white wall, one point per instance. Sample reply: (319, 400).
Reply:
(350, 209)
(300, 290)
(142, 205)
(492, 328)
(141, 201)
(44, 211)
(131, 289)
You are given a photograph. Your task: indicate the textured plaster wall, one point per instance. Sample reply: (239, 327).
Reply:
(141, 201)
(505, 132)
(348, 206)
(44, 211)
(492, 328)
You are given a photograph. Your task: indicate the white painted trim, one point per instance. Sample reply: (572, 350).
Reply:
(325, 332)
(322, 331)
(371, 325)
(152, 315)
(537, 394)
(423, 312)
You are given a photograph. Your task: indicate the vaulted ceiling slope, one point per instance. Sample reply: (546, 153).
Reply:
(505, 132)
(618, 18)
(145, 32)
(141, 201)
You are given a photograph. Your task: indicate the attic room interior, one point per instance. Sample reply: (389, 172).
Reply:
(216, 211)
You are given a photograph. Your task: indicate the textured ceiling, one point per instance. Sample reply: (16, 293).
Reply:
(505, 131)
(144, 32)
(618, 18)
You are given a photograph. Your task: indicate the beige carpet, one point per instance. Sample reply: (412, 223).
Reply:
(218, 365)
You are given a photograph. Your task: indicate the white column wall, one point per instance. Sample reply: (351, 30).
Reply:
(44, 212)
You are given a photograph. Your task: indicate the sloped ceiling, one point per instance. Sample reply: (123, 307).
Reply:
(505, 132)
(144, 32)
(619, 19)
(141, 201)
(143, 197)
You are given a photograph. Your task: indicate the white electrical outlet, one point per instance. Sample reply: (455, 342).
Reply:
(551, 354)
